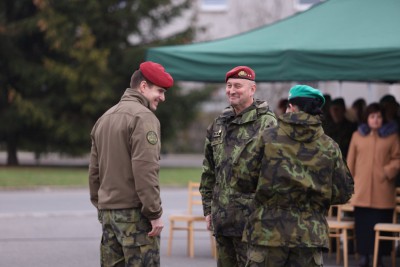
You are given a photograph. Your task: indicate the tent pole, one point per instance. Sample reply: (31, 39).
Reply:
(369, 85)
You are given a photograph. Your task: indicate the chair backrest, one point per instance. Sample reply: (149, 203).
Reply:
(337, 211)
(332, 210)
(397, 208)
(194, 196)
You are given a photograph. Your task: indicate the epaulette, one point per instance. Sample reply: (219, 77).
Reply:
(262, 107)
(263, 104)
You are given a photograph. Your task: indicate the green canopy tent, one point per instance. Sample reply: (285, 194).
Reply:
(345, 40)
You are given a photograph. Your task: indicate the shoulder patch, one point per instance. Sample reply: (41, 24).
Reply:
(152, 137)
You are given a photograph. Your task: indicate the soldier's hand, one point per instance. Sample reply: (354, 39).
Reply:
(157, 226)
(208, 220)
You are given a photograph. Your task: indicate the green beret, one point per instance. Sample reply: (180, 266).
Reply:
(305, 91)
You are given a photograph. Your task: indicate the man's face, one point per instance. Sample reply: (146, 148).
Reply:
(240, 93)
(337, 113)
(153, 93)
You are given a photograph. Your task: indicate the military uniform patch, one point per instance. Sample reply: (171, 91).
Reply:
(152, 137)
(217, 133)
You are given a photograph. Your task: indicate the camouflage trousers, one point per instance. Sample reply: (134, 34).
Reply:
(125, 242)
(231, 251)
(262, 256)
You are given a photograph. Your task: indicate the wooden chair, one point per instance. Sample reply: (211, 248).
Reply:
(339, 228)
(393, 228)
(186, 222)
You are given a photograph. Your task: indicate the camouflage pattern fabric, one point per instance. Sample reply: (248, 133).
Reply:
(260, 256)
(225, 246)
(226, 195)
(301, 173)
(125, 241)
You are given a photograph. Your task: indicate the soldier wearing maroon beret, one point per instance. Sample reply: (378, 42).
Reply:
(123, 171)
(227, 182)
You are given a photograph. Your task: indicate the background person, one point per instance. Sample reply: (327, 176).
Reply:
(123, 171)
(226, 194)
(301, 174)
(340, 128)
(391, 110)
(374, 161)
(281, 109)
(358, 110)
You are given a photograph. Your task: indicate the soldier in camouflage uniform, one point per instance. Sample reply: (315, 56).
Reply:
(225, 199)
(123, 172)
(301, 173)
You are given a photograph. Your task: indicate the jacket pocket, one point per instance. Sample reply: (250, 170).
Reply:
(243, 203)
(256, 254)
(243, 147)
(218, 152)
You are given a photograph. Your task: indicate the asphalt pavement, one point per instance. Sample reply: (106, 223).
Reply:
(50, 227)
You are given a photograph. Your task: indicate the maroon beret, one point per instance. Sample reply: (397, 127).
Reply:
(241, 72)
(156, 74)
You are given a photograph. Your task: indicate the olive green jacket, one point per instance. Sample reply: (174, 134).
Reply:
(226, 193)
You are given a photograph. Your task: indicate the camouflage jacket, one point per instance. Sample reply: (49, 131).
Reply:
(302, 173)
(227, 194)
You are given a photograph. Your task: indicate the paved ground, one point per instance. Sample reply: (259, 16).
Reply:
(47, 227)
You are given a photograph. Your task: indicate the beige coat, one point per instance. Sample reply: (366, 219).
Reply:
(374, 162)
(124, 160)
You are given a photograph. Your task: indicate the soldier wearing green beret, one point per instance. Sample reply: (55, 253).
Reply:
(301, 173)
(226, 194)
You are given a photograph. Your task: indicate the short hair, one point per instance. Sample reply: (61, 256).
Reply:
(309, 105)
(373, 108)
(338, 102)
(283, 103)
(137, 78)
(359, 103)
(388, 99)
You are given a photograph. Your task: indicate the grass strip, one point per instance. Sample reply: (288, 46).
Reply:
(23, 177)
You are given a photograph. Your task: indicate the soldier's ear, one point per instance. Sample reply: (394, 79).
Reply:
(142, 86)
(253, 88)
(291, 108)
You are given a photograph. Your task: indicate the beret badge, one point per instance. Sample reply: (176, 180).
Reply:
(242, 74)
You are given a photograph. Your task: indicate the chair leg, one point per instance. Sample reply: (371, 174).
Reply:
(376, 248)
(171, 227)
(393, 258)
(393, 254)
(338, 246)
(213, 246)
(190, 240)
(330, 247)
(345, 249)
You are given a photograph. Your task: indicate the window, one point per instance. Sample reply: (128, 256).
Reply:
(305, 4)
(214, 5)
